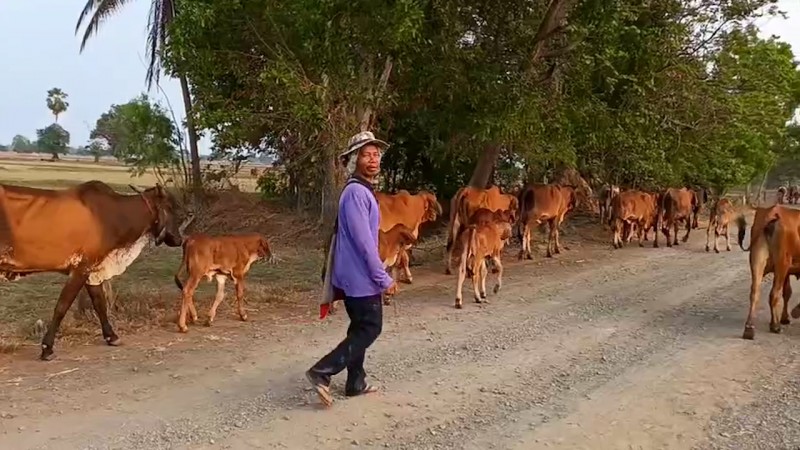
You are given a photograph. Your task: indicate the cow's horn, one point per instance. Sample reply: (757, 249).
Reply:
(186, 224)
(135, 189)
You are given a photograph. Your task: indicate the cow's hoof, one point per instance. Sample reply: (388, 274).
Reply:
(716, 250)
(785, 321)
(458, 304)
(113, 340)
(708, 249)
(47, 353)
(407, 281)
(529, 257)
(209, 322)
(183, 329)
(387, 302)
(243, 317)
(775, 328)
(728, 249)
(749, 333)
(496, 288)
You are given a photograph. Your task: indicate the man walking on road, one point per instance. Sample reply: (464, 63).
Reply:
(355, 271)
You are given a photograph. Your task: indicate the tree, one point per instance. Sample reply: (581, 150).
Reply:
(97, 148)
(53, 139)
(141, 134)
(21, 144)
(162, 13)
(57, 102)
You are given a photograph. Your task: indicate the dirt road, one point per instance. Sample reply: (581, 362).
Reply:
(598, 349)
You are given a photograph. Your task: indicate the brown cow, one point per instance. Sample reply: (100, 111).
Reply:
(392, 248)
(676, 205)
(773, 249)
(464, 204)
(220, 257)
(607, 194)
(549, 203)
(88, 232)
(719, 218)
(477, 243)
(633, 208)
(781, 195)
(410, 210)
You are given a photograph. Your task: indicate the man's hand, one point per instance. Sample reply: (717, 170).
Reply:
(392, 289)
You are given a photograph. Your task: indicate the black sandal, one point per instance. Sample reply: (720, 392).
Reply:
(367, 390)
(323, 392)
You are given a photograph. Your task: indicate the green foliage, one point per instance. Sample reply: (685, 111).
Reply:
(57, 102)
(641, 93)
(140, 134)
(21, 144)
(52, 139)
(272, 185)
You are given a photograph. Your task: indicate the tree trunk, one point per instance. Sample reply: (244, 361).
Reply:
(483, 170)
(194, 154)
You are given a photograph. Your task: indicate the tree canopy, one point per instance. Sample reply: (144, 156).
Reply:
(53, 139)
(141, 134)
(643, 93)
(57, 102)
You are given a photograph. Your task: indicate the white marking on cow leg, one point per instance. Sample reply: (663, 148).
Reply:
(118, 260)
(499, 267)
(212, 312)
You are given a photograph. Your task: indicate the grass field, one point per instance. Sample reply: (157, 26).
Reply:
(146, 294)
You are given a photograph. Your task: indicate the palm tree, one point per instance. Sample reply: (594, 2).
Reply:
(161, 14)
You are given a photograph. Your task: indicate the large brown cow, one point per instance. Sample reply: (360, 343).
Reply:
(719, 219)
(88, 232)
(540, 203)
(675, 206)
(410, 210)
(220, 257)
(478, 243)
(635, 209)
(773, 249)
(465, 203)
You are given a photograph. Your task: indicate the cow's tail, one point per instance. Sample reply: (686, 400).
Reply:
(184, 266)
(526, 202)
(455, 223)
(741, 225)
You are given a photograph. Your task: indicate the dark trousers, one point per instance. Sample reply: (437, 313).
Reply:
(366, 322)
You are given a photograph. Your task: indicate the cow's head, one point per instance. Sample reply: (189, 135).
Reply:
(432, 207)
(167, 226)
(263, 250)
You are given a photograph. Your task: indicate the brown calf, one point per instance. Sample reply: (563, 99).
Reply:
(676, 205)
(635, 209)
(477, 243)
(774, 248)
(465, 203)
(220, 257)
(410, 210)
(719, 218)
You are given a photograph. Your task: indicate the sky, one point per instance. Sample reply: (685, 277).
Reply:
(40, 50)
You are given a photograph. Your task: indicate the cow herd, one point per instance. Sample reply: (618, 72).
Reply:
(90, 233)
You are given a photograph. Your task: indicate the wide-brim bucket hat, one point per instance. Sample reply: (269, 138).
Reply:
(361, 140)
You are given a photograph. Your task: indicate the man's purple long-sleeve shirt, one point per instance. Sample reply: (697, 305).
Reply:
(357, 266)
